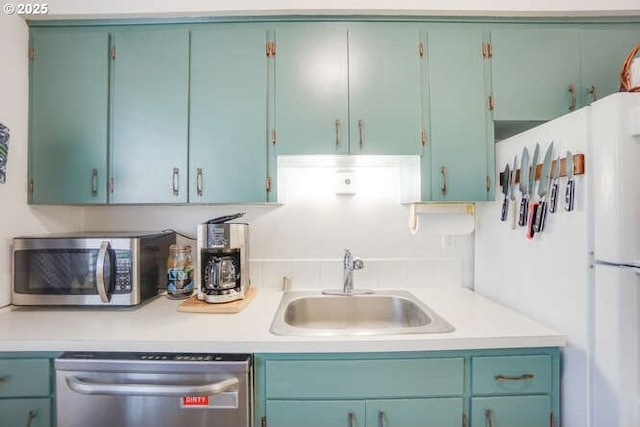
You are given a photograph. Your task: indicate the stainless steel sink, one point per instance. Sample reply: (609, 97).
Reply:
(384, 312)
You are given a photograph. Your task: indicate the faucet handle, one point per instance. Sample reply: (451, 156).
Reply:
(358, 264)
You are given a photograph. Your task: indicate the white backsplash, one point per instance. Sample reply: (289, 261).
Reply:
(305, 237)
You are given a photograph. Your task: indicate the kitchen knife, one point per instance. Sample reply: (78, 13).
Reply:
(555, 174)
(512, 192)
(506, 177)
(569, 193)
(532, 183)
(524, 188)
(543, 187)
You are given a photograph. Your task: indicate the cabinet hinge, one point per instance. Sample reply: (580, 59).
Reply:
(424, 137)
(421, 49)
(487, 50)
(271, 49)
(488, 183)
(32, 53)
(263, 422)
(490, 103)
(268, 184)
(112, 52)
(273, 136)
(31, 186)
(111, 185)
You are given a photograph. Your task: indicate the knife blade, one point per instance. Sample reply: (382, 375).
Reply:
(569, 193)
(543, 187)
(512, 192)
(532, 183)
(506, 177)
(555, 175)
(524, 188)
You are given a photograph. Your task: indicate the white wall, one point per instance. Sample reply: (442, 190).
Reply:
(16, 217)
(93, 8)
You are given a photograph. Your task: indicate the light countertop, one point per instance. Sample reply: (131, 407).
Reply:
(157, 326)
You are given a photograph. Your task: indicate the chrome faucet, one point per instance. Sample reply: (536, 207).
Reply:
(349, 264)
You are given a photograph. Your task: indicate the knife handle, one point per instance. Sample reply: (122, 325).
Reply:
(569, 195)
(505, 209)
(514, 217)
(533, 209)
(553, 202)
(541, 216)
(524, 206)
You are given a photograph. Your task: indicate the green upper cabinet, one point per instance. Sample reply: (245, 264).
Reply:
(385, 88)
(459, 154)
(227, 123)
(311, 89)
(347, 88)
(535, 73)
(69, 88)
(150, 116)
(603, 53)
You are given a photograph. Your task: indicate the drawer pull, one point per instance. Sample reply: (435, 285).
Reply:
(522, 377)
(4, 379)
(352, 419)
(381, 419)
(31, 417)
(488, 418)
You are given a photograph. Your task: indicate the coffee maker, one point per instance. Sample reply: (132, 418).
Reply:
(222, 272)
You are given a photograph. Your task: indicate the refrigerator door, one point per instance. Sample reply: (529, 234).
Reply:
(616, 353)
(611, 163)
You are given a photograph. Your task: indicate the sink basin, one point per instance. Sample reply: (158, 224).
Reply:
(384, 312)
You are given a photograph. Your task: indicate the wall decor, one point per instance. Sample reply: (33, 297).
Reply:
(4, 152)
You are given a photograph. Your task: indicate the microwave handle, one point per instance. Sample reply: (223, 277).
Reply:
(100, 284)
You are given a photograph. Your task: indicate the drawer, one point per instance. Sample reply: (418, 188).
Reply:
(362, 379)
(511, 374)
(25, 412)
(25, 377)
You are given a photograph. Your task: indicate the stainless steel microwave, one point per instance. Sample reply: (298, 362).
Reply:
(94, 269)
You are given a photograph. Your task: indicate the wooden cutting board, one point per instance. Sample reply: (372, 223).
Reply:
(194, 305)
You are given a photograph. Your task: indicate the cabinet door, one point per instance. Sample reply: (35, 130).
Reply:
(384, 89)
(443, 412)
(150, 107)
(311, 89)
(25, 412)
(532, 71)
(315, 413)
(521, 411)
(68, 132)
(603, 53)
(458, 137)
(227, 127)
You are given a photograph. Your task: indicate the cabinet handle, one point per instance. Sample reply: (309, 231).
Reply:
(572, 90)
(381, 419)
(360, 129)
(199, 182)
(352, 419)
(522, 377)
(443, 172)
(4, 379)
(592, 91)
(94, 182)
(337, 125)
(488, 418)
(32, 416)
(174, 182)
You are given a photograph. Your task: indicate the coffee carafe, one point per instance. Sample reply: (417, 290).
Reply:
(223, 261)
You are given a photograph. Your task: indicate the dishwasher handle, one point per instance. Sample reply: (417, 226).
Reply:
(84, 386)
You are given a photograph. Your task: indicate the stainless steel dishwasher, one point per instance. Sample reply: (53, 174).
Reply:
(107, 389)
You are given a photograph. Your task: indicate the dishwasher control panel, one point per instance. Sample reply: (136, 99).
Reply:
(164, 357)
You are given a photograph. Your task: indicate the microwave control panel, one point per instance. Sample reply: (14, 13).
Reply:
(123, 283)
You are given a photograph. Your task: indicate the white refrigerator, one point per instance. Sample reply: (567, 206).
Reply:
(581, 275)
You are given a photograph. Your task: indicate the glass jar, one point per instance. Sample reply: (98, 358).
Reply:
(180, 272)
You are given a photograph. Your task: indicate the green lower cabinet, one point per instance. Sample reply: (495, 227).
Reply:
(521, 411)
(316, 413)
(25, 413)
(434, 412)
